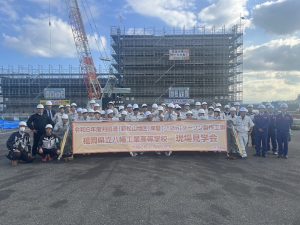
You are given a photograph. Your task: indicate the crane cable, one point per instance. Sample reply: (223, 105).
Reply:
(49, 24)
(94, 29)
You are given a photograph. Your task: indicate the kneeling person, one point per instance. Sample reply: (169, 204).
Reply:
(18, 146)
(49, 145)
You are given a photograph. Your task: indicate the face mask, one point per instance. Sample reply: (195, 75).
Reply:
(22, 129)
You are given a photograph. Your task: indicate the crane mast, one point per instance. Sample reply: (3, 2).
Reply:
(83, 50)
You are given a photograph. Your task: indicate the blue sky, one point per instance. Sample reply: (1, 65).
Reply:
(271, 40)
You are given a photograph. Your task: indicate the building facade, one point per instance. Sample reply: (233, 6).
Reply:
(185, 66)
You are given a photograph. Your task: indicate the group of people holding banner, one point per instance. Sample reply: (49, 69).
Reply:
(263, 126)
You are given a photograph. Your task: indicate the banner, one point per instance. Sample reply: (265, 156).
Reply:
(56, 102)
(100, 137)
(179, 54)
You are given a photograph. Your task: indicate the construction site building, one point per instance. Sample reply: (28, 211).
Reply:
(200, 64)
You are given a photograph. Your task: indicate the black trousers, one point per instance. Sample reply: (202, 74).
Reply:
(52, 152)
(19, 155)
(36, 139)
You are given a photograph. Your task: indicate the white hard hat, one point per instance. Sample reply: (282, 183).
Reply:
(144, 105)
(204, 103)
(189, 112)
(201, 111)
(97, 111)
(74, 104)
(124, 113)
(48, 103)
(237, 104)
(22, 123)
(163, 104)
(160, 108)
(61, 106)
(111, 102)
(227, 107)
(109, 111)
(198, 103)
(84, 111)
(65, 116)
(121, 107)
(243, 109)
(91, 111)
(148, 113)
(92, 101)
(97, 105)
(171, 105)
(39, 106)
(211, 107)
(187, 104)
(261, 106)
(284, 106)
(135, 106)
(79, 110)
(154, 106)
(49, 126)
(129, 106)
(218, 105)
(68, 105)
(250, 106)
(178, 106)
(233, 109)
(102, 112)
(217, 110)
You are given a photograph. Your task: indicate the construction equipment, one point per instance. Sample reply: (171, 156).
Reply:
(83, 50)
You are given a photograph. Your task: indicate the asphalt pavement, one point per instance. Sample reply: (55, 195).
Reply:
(184, 189)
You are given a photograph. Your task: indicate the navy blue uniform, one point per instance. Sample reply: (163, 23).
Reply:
(261, 122)
(272, 137)
(283, 126)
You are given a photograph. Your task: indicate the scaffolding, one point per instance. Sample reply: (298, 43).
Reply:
(22, 87)
(212, 72)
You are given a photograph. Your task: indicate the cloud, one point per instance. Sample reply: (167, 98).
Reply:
(278, 54)
(33, 38)
(176, 13)
(271, 85)
(278, 17)
(224, 12)
(8, 10)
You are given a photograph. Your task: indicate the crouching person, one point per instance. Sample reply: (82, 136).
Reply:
(18, 146)
(49, 145)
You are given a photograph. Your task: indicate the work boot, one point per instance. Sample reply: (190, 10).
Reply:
(168, 153)
(133, 154)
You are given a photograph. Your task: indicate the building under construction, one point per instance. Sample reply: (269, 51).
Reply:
(22, 88)
(179, 65)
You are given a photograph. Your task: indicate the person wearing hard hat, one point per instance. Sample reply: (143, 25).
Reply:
(210, 114)
(284, 122)
(85, 115)
(226, 111)
(261, 121)
(144, 110)
(49, 111)
(123, 116)
(170, 115)
(186, 108)
(160, 115)
(110, 115)
(154, 109)
(97, 115)
(196, 110)
(178, 112)
(110, 105)
(49, 145)
(97, 107)
(36, 123)
(136, 116)
(103, 115)
(148, 116)
(121, 109)
(272, 138)
(244, 126)
(91, 114)
(237, 105)
(217, 114)
(18, 145)
(189, 115)
(67, 108)
(204, 106)
(201, 115)
(79, 114)
(61, 127)
(59, 114)
(251, 114)
(73, 113)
